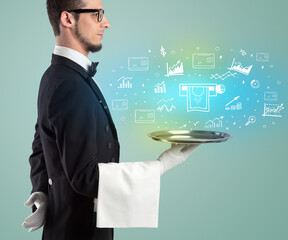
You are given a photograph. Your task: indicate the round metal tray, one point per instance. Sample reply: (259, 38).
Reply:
(189, 136)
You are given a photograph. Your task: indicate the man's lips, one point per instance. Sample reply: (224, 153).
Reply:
(101, 35)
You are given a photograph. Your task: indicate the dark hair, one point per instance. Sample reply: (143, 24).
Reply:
(56, 7)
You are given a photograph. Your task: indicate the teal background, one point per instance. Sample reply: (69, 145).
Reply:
(233, 190)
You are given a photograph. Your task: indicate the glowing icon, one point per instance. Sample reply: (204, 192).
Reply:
(162, 50)
(243, 52)
(176, 69)
(224, 76)
(198, 95)
(144, 116)
(160, 88)
(270, 96)
(251, 119)
(216, 122)
(203, 60)
(238, 105)
(262, 57)
(166, 104)
(237, 66)
(119, 104)
(138, 64)
(255, 83)
(272, 110)
(125, 82)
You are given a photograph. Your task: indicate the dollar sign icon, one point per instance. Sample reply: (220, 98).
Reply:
(163, 53)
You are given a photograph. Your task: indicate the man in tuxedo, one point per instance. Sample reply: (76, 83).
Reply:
(74, 130)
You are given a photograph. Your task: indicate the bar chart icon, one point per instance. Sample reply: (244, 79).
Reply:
(124, 82)
(160, 88)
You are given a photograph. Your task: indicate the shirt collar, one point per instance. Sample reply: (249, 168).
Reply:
(73, 55)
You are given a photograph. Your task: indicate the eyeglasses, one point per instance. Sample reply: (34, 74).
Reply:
(100, 12)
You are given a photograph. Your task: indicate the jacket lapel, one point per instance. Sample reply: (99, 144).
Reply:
(62, 60)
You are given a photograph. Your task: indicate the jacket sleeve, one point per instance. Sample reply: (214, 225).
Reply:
(38, 172)
(73, 116)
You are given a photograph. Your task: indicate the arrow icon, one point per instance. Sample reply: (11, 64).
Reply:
(232, 101)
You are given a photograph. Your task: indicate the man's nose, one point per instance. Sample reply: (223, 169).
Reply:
(105, 22)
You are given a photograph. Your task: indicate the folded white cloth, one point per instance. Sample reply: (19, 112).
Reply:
(128, 194)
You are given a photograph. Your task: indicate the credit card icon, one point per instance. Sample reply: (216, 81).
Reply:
(144, 116)
(203, 60)
(138, 64)
(262, 57)
(119, 104)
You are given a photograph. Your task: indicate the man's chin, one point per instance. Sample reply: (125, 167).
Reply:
(94, 48)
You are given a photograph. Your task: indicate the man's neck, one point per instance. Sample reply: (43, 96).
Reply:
(73, 45)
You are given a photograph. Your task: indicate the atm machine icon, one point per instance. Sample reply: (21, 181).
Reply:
(198, 95)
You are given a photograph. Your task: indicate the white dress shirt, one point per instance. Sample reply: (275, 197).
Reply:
(128, 192)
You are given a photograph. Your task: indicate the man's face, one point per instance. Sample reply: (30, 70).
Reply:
(88, 30)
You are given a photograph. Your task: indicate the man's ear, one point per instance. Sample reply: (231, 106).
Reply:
(67, 20)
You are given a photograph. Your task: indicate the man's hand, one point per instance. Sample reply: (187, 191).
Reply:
(36, 219)
(175, 155)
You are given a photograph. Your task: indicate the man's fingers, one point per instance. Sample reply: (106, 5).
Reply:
(189, 148)
(33, 229)
(31, 200)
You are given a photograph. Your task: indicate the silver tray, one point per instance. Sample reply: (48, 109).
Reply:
(189, 136)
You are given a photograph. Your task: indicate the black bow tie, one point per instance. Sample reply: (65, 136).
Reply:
(93, 69)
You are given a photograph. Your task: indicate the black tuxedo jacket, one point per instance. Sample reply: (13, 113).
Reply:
(74, 132)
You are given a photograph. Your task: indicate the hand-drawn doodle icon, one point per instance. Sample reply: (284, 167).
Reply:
(262, 57)
(255, 83)
(216, 122)
(175, 70)
(272, 110)
(125, 82)
(165, 104)
(203, 60)
(198, 95)
(162, 50)
(243, 52)
(238, 105)
(119, 104)
(251, 119)
(160, 88)
(270, 96)
(138, 64)
(223, 76)
(237, 66)
(144, 116)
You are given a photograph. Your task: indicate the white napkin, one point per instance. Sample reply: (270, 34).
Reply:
(128, 194)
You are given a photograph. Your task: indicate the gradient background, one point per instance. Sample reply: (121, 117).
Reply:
(234, 190)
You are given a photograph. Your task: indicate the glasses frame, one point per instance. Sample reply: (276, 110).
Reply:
(100, 12)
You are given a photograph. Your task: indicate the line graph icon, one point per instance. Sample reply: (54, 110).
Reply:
(175, 70)
(166, 104)
(223, 76)
(237, 66)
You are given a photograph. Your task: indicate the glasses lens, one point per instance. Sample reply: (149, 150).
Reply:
(100, 15)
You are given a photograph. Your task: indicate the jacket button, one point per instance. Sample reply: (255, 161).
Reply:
(50, 181)
(105, 107)
(112, 159)
(107, 128)
(109, 145)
